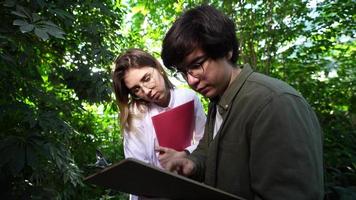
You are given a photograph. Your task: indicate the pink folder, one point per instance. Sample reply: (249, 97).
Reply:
(174, 128)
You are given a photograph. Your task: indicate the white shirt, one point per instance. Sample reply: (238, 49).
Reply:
(139, 142)
(218, 122)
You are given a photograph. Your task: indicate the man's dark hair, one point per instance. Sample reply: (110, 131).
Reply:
(202, 27)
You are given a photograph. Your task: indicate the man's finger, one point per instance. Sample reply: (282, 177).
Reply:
(170, 166)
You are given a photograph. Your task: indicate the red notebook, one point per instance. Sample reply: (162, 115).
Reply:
(174, 128)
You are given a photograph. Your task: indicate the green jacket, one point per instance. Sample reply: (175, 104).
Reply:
(269, 145)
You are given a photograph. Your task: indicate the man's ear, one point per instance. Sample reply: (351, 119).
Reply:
(229, 55)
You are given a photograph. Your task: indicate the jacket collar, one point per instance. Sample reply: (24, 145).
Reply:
(229, 94)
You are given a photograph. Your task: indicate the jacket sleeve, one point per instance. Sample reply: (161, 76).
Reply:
(136, 142)
(286, 150)
(199, 154)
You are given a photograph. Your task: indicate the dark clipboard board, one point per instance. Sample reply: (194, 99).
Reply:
(136, 177)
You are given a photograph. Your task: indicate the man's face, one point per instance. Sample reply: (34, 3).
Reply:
(207, 76)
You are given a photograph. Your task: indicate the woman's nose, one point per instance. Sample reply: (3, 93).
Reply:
(146, 91)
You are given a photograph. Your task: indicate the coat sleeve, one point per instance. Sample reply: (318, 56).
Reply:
(199, 154)
(286, 150)
(136, 142)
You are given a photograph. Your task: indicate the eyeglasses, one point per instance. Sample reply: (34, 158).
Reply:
(196, 69)
(148, 81)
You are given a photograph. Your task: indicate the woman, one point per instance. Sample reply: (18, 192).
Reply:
(142, 91)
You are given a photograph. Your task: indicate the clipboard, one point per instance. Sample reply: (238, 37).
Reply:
(139, 178)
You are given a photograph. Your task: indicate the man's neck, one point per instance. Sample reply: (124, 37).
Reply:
(234, 73)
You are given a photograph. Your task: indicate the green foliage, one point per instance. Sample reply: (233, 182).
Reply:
(56, 103)
(55, 61)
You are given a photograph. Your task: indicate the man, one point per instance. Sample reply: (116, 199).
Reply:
(262, 139)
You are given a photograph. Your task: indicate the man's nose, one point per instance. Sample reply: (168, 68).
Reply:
(192, 81)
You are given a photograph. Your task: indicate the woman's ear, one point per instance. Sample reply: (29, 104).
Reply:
(229, 55)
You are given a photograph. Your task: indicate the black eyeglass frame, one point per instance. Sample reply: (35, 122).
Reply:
(196, 69)
(149, 85)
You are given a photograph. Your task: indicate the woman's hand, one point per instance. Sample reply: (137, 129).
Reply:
(168, 154)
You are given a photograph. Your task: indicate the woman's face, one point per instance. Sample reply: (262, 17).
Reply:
(148, 84)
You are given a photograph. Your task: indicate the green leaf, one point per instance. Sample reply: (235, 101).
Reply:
(19, 22)
(49, 23)
(27, 28)
(35, 17)
(56, 32)
(51, 28)
(8, 58)
(41, 33)
(19, 14)
(9, 3)
(22, 12)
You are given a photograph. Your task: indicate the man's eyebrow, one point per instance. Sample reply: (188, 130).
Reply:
(195, 60)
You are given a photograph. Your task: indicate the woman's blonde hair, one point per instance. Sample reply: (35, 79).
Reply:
(132, 58)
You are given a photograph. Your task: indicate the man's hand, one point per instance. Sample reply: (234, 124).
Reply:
(182, 166)
(167, 154)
